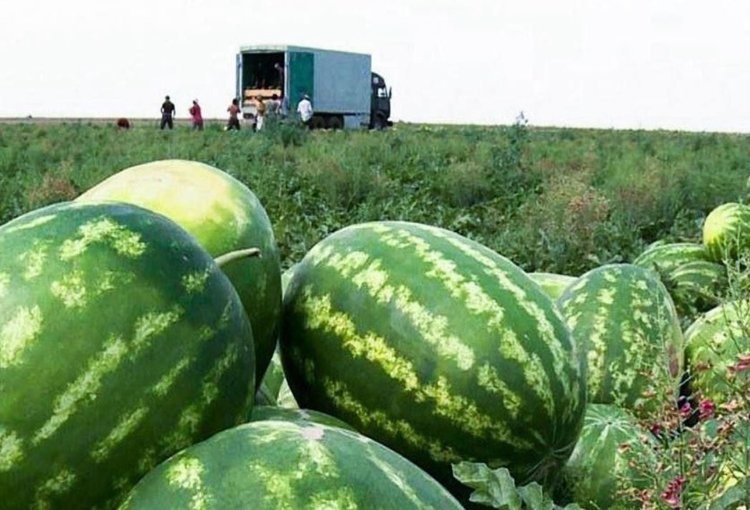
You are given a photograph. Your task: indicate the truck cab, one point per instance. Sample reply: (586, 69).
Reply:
(380, 103)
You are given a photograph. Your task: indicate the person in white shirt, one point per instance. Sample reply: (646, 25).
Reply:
(305, 110)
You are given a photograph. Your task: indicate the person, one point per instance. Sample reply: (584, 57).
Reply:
(167, 113)
(280, 70)
(260, 113)
(305, 110)
(197, 116)
(274, 105)
(234, 110)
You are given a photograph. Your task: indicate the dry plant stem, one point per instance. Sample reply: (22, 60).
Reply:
(223, 260)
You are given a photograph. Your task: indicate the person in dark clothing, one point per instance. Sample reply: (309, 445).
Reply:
(280, 71)
(167, 113)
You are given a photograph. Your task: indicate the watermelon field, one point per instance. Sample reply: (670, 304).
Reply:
(430, 316)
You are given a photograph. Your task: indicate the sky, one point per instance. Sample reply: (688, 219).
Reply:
(636, 64)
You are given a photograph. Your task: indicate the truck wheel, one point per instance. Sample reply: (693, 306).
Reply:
(378, 122)
(317, 122)
(335, 122)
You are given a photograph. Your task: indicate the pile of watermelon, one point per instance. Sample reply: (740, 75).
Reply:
(153, 355)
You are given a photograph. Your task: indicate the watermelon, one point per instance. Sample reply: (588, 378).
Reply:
(665, 257)
(270, 465)
(121, 342)
(435, 346)
(552, 284)
(274, 388)
(726, 231)
(286, 397)
(270, 385)
(698, 286)
(261, 413)
(273, 380)
(612, 449)
(625, 323)
(223, 215)
(713, 343)
(694, 282)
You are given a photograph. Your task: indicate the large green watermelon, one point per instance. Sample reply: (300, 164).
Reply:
(121, 342)
(665, 257)
(726, 231)
(713, 343)
(282, 465)
(224, 216)
(698, 286)
(694, 282)
(552, 284)
(625, 323)
(435, 346)
(612, 449)
(265, 413)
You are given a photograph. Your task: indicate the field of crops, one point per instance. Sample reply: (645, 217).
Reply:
(424, 317)
(560, 200)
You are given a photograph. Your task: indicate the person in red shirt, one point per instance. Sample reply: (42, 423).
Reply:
(234, 110)
(195, 113)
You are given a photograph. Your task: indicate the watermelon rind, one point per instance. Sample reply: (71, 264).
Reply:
(223, 215)
(270, 465)
(435, 346)
(627, 328)
(613, 453)
(121, 343)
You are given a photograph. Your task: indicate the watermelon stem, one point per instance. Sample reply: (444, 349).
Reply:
(225, 259)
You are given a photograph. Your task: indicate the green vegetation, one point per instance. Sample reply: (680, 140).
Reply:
(557, 200)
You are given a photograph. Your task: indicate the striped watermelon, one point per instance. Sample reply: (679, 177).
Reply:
(121, 342)
(713, 343)
(264, 413)
(612, 448)
(665, 257)
(268, 391)
(435, 346)
(698, 286)
(551, 283)
(726, 231)
(624, 321)
(274, 389)
(694, 282)
(223, 215)
(274, 380)
(270, 465)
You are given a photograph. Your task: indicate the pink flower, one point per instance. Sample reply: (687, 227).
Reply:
(686, 410)
(671, 496)
(706, 409)
(743, 363)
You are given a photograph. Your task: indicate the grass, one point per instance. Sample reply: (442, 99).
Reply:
(557, 200)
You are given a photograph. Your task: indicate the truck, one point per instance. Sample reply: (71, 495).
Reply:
(343, 89)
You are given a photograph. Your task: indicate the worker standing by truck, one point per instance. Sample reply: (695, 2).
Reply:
(196, 115)
(234, 121)
(305, 110)
(167, 113)
(260, 115)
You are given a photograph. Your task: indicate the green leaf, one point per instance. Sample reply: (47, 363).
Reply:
(494, 488)
(731, 499)
(497, 489)
(535, 498)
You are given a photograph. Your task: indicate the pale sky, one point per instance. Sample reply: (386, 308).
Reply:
(672, 64)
